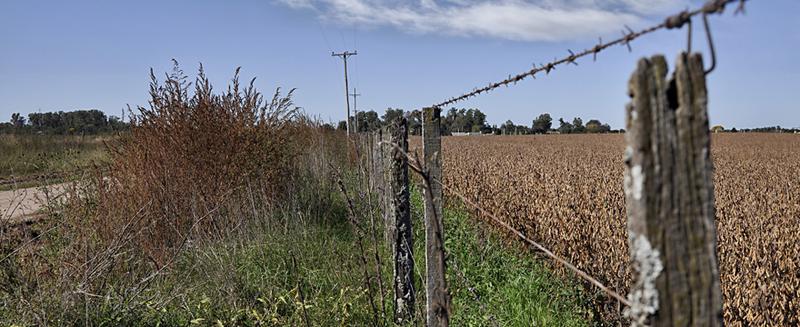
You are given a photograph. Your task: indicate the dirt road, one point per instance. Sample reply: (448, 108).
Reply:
(22, 205)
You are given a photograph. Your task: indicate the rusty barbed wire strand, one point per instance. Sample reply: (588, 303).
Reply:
(538, 246)
(416, 165)
(628, 35)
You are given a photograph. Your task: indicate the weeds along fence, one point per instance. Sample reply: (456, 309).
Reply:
(197, 168)
(668, 190)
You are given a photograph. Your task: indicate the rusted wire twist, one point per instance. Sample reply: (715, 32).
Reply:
(671, 22)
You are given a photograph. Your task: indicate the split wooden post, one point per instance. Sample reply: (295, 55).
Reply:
(670, 197)
(437, 295)
(400, 215)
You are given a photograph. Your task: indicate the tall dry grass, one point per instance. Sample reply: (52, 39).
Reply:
(198, 167)
(188, 154)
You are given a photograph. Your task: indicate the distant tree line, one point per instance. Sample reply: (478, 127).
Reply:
(577, 126)
(71, 122)
(768, 129)
(543, 124)
(454, 121)
(465, 121)
(473, 121)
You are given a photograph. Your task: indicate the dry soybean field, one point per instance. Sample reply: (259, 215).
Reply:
(565, 191)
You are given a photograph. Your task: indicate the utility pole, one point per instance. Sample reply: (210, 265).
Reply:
(344, 56)
(355, 96)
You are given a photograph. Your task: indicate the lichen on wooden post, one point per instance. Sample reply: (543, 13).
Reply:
(400, 215)
(670, 196)
(437, 296)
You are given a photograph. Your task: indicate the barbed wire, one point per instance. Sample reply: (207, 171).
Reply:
(628, 35)
(418, 167)
(538, 246)
(671, 22)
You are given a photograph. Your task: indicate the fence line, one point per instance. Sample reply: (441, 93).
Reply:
(418, 167)
(671, 22)
(415, 165)
(669, 194)
(681, 132)
(653, 299)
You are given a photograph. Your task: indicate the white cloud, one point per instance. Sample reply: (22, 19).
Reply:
(298, 4)
(523, 20)
(649, 7)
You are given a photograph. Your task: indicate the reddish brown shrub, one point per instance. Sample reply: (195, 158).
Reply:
(195, 166)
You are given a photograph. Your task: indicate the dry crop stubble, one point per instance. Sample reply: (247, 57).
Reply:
(565, 191)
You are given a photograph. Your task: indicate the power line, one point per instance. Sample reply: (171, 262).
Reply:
(357, 81)
(674, 21)
(324, 37)
(341, 34)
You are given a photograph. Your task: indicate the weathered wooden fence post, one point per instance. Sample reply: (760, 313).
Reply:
(376, 168)
(670, 197)
(437, 295)
(386, 191)
(400, 212)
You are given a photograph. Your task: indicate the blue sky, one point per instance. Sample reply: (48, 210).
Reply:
(64, 55)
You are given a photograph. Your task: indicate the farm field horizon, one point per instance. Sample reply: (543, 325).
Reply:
(566, 191)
